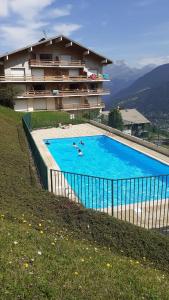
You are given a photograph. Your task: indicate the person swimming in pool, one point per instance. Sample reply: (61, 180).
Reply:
(74, 145)
(80, 153)
(47, 143)
(82, 143)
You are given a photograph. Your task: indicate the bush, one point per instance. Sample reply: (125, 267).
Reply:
(7, 95)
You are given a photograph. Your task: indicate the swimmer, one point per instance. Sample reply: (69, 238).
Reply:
(47, 143)
(82, 143)
(80, 153)
(74, 145)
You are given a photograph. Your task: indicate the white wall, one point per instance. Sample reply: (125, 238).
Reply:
(71, 100)
(50, 104)
(19, 60)
(94, 99)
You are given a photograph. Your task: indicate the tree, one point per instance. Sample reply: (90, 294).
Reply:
(8, 95)
(115, 119)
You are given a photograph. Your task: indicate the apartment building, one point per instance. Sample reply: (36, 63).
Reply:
(55, 74)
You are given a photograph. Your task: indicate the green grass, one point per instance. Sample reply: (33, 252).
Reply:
(52, 119)
(84, 255)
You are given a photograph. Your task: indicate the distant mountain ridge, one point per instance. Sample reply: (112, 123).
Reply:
(122, 76)
(152, 79)
(149, 94)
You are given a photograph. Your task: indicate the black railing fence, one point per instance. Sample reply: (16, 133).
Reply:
(42, 169)
(143, 201)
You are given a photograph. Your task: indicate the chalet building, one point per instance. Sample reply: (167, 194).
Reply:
(134, 122)
(55, 74)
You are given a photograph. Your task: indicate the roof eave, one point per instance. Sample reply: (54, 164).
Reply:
(108, 61)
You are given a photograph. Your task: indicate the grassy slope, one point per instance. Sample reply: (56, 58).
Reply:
(49, 119)
(83, 255)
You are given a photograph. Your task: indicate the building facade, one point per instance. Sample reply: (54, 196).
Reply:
(55, 74)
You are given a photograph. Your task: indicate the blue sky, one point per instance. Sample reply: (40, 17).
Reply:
(136, 31)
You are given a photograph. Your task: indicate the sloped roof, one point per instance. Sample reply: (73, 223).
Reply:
(130, 116)
(133, 116)
(41, 42)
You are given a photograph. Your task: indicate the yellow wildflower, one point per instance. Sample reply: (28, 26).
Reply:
(40, 224)
(82, 259)
(26, 265)
(108, 265)
(41, 232)
(76, 273)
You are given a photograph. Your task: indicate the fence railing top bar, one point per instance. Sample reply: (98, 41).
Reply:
(112, 179)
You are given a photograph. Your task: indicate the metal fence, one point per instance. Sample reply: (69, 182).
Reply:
(39, 162)
(143, 201)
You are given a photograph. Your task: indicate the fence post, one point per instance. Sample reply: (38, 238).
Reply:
(112, 188)
(51, 180)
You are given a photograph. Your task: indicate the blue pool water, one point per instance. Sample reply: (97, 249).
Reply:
(106, 158)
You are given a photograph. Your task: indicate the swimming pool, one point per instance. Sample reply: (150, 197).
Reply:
(104, 157)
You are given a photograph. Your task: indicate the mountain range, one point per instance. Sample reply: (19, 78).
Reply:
(122, 76)
(149, 94)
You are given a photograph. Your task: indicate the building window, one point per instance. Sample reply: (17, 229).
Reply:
(45, 56)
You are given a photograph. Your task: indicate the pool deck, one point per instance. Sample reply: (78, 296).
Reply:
(84, 130)
(80, 130)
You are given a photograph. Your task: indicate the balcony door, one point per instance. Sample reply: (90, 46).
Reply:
(65, 58)
(38, 73)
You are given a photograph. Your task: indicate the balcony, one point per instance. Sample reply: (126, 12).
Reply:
(56, 63)
(85, 106)
(63, 93)
(62, 78)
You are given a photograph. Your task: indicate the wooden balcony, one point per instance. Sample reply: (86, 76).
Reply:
(56, 63)
(62, 78)
(63, 93)
(85, 106)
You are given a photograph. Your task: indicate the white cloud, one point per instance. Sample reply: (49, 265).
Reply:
(4, 8)
(61, 12)
(66, 29)
(24, 21)
(28, 9)
(159, 60)
(144, 3)
(24, 36)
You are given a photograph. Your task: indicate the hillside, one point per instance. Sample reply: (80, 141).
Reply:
(122, 76)
(52, 248)
(149, 94)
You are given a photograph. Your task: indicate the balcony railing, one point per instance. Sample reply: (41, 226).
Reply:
(62, 78)
(55, 63)
(75, 106)
(63, 93)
